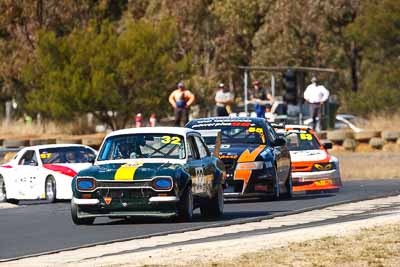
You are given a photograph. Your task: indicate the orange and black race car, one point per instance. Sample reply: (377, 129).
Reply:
(313, 168)
(256, 160)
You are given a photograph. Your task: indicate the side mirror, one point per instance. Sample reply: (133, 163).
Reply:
(92, 159)
(327, 144)
(279, 142)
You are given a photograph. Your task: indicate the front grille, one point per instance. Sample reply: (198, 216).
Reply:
(230, 164)
(125, 184)
(126, 194)
(302, 168)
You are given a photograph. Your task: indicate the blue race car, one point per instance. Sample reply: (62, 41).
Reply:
(256, 160)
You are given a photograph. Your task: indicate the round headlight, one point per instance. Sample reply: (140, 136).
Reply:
(86, 184)
(162, 184)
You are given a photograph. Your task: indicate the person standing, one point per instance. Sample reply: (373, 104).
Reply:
(223, 100)
(261, 98)
(181, 99)
(315, 95)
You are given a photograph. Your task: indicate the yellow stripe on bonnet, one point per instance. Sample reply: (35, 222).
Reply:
(127, 172)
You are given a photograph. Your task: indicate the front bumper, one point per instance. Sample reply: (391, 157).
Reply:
(258, 183)
(318, 180)
(159, 206)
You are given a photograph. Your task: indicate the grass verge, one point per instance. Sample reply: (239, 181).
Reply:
(378, 246)
(372, 165)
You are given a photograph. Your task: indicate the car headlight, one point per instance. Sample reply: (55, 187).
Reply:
(255, 165)
(324, 166)
(162, 183)
(86, 184)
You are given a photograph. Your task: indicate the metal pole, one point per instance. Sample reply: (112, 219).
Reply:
(273, 85)
(245, 90)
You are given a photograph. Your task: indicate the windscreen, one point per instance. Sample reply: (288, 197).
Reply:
(234, 132)
(301, 140)
(136, 146)
(66, 155)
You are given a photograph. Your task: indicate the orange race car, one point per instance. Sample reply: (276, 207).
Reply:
(314, 170)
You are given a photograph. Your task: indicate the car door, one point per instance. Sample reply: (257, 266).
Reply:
(207, 164)
(196, 168)
(27, 174)
(277, 153)
(282, 157)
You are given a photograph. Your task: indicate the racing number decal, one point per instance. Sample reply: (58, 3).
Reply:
(305, 136)
(45, 155)
(175, 140)
(200, 180)
(256, 130)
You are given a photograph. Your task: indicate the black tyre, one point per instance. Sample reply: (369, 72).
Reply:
(332, 191)
(3, 193)
(289, 186)
(185, 205)
(76, 219)
(277, 188)
(214, 207)
(50, 189)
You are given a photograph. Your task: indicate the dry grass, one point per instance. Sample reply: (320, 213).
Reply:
(382, 122)
(22, 130)
(369, 165)
(378, 246)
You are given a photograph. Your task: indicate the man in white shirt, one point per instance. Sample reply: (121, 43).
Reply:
(223, 100)
(315, 95)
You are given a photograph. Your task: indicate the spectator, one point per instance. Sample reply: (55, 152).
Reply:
(223, 100)
(261, 98)
(315, 95)
(181, 100)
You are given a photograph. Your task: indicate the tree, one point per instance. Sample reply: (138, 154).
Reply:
(377, 29)
(112, 72)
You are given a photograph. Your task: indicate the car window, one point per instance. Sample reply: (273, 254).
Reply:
(72, 154)
(233, 131)
(193, 148)
(201, 147)
(28, 158)
(271, 133)
(297, 141)
(146, 145)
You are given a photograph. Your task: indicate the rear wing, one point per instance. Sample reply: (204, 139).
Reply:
(213, 133)
(277, 126)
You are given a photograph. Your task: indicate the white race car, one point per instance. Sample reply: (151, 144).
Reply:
(43, 172)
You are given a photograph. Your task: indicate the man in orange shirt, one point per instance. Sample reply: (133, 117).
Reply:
(181, 99)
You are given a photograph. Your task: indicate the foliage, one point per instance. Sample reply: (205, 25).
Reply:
(71, 46)
(109, 71)
(378, 29)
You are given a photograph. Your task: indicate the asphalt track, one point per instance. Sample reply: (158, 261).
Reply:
(38, 228)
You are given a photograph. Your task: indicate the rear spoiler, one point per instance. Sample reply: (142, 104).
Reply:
(278, 125)
(213, 133)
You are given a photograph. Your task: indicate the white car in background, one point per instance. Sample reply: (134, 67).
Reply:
(43, 172)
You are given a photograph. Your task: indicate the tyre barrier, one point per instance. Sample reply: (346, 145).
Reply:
(92, 142)
(35, 142)
(322, 135)
(390, 136)
(337, 137)
(365, 136)
(15, 143)
(376, 142)
(68, 141)
(349, 144)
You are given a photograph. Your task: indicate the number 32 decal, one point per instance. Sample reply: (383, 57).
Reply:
(175, 140)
